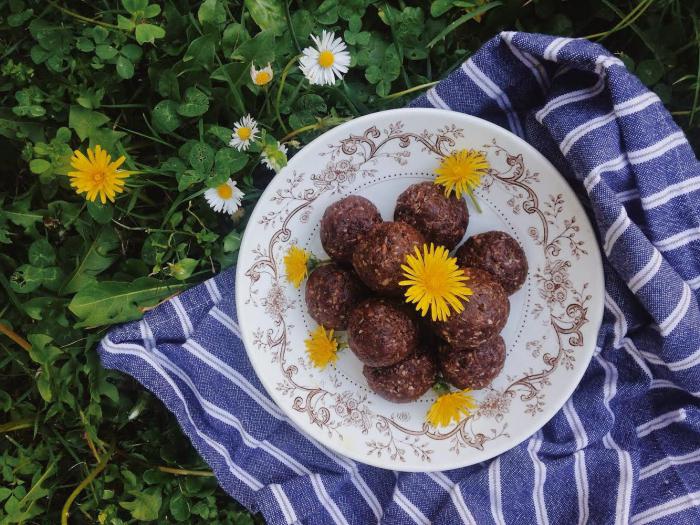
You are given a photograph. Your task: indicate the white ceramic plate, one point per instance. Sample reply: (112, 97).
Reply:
(554, 320)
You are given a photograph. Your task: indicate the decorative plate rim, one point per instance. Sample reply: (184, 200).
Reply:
(594, 309)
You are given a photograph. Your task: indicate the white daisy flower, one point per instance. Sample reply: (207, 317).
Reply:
(261, 76)
(328, 60)
(244, 131)
(225, 198)
(270, 156)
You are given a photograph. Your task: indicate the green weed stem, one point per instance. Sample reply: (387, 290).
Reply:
(82, 18)
(89, 479)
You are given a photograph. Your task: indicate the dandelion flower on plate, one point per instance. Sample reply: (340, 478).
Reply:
(296, 265)
(261, 76)
(461, 172)
(244, 132)
(450, 406)
(435, 282)
(327, 61)
(274, 156)
(96, 175)
(322, 347)
(225, 198)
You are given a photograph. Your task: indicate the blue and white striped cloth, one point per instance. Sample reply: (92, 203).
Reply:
(626, 446)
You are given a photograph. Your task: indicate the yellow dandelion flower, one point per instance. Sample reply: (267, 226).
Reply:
(322, 347)
(461, 172)
(96, 175)
(434, 282)
(296, 264)
(449, 407)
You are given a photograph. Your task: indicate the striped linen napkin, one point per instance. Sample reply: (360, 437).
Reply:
(626, 446)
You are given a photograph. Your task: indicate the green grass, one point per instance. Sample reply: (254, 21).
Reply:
(162, 84)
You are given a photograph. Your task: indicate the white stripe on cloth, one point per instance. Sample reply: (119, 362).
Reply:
(349, 466)
(694, 283)
(234, 376)
(147, 335)
(665, 383)
(628, 195)
(325, 498)
(675, 366)
(644, 275)
(225, 320)
(660, 422)
(533, 447)
(635, 354)
(620, 325)
(579, 459)
(552, 50)
(534, 65)
(570, 98)
(671, 192)
(616, 230)
(624, 489)
(602, 62)
(635, 157)
(435, 99)
(455, 495)
(409, 508)
(139, 351)
(676, 316)
(623, 109)
(673, 506)
(185, 322)
(659, 466)
(213, 290)
(495, 492)
(492, 90)
(678, 240)
(284, 504)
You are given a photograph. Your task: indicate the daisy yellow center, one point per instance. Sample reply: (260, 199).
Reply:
(244, 133)
(461, 171)
(262, 78)
(224, 191)
(326, 59)
(434, 282)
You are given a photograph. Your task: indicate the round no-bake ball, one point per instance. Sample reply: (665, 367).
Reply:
(331, 294)
(473, 368)
(497, 253)
(405, 381)
(442, 220)
(382, 332)
(381, 252)
(484, 315)
(343, 223)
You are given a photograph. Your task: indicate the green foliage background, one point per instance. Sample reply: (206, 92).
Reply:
(162, 83)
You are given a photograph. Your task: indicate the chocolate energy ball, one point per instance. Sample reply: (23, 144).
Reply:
(497, 253)
(343, 223)
(473, 368)
(331, 294)
(442, 220)
(382, 332)
(405, 381)
(381, 252)
(484, 315)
